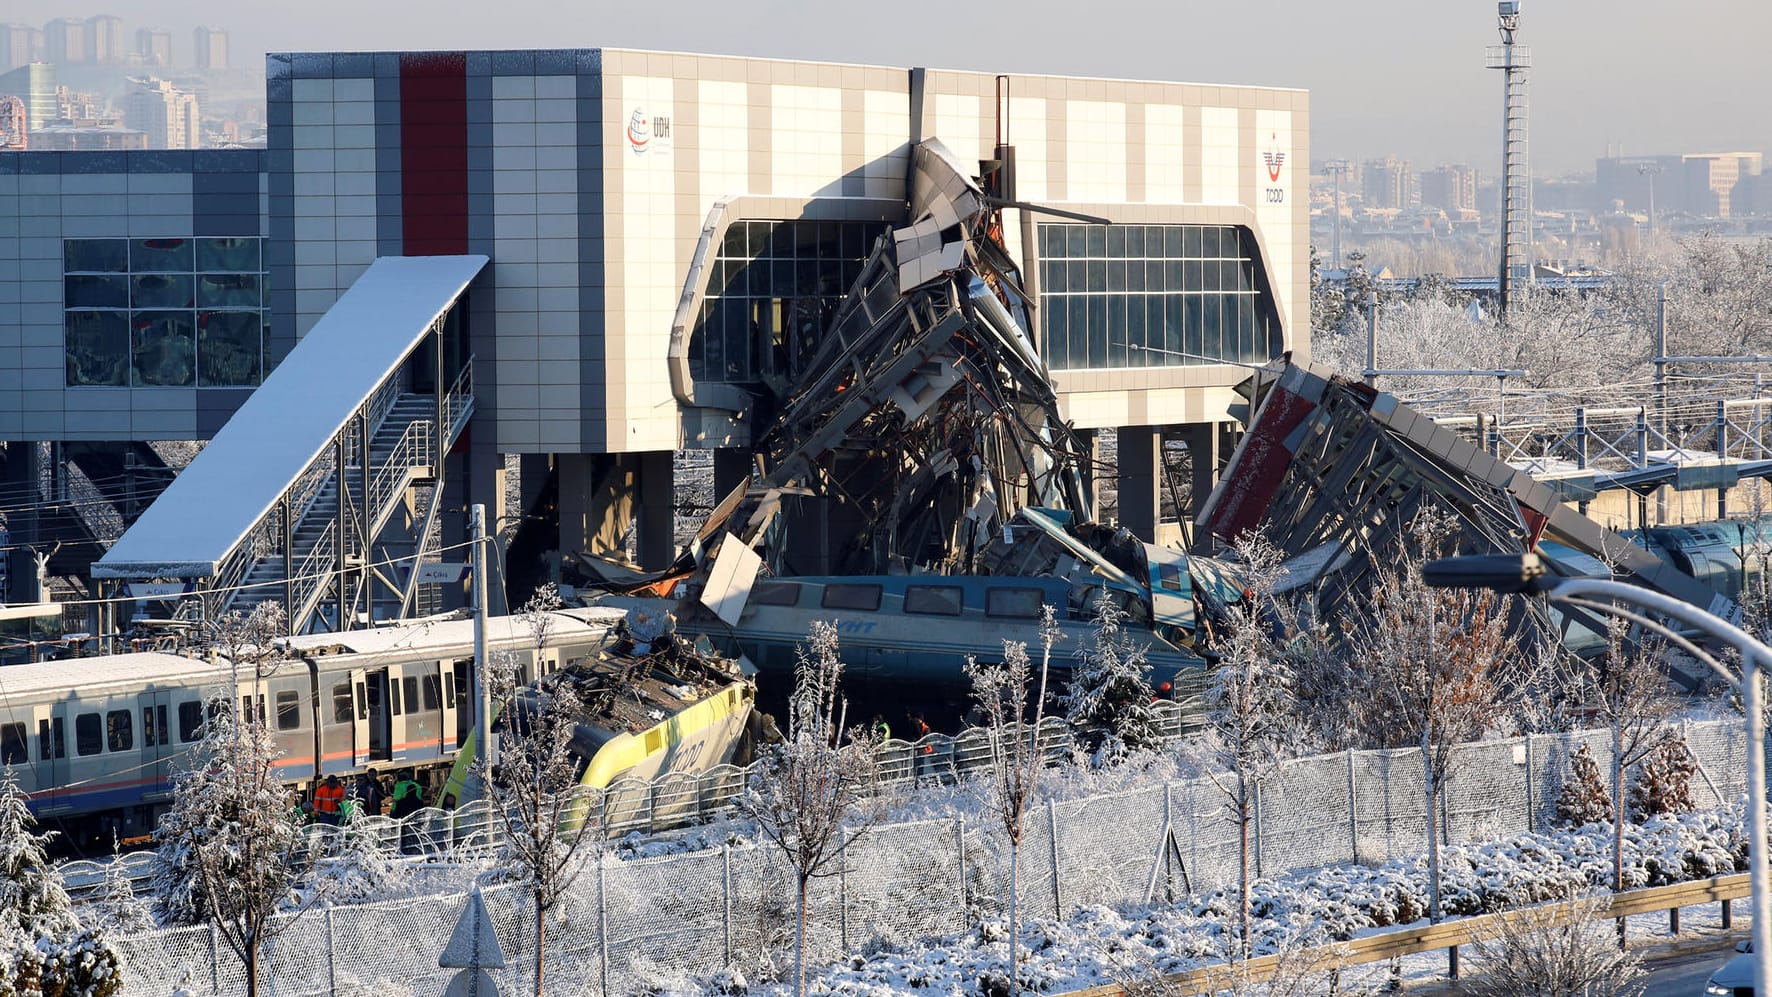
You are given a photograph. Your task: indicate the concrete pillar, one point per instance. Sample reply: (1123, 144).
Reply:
(22, 466)
(1089, 441)
(1202, 439)
(1141, 455)
(732, 467)
(596, 502)
(657, 498)
(532, 476)
(1206, 442)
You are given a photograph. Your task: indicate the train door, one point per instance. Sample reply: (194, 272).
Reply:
(463, 703)
(360, 726)
(159, 743)
(374, 708)
(50, 728)
(398, 708)
(450, 730)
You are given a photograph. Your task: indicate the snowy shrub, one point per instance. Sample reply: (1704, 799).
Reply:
(1584, 799)
(1664, 781)
(1108, 697)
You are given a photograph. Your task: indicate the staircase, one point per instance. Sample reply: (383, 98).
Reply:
(401, 452)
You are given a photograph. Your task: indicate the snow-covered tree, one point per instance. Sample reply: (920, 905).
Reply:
(1425, 666)
(43, 947)
(814, 786)
(1584, 799)
(1630, 696)
(118, 910)
(231, 848)
(1017, 755)
(1108, 699)
(1664, 781)
(1251, 712)
(362, 868)
(1554, 951)
(550, 823)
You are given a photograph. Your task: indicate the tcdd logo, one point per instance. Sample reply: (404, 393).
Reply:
(1274, 159)
(643, 130)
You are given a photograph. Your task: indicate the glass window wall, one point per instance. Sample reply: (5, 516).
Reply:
(165, 312)
(1151, 296)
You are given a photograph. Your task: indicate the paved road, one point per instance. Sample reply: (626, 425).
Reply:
(1684, 975)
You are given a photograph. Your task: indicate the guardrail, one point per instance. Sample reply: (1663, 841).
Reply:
(1433, 937)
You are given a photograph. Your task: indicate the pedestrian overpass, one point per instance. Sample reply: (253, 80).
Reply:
(323, 490)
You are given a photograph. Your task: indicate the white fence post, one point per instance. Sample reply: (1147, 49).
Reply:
(1052, 824)
(843, 893)
(726, 899)
(214, 959)
(1353, 810)
(1531, 790)
(960, 847)
(331, 953)
(603, 923)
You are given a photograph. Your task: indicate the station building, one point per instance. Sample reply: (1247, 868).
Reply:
(662, 234)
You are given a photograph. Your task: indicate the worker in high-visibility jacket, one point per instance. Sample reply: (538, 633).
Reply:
(329, 798)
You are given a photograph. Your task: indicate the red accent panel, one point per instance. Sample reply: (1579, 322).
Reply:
(434, 153)
(1261, 464)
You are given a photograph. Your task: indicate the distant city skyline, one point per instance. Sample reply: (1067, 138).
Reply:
(1391, 77)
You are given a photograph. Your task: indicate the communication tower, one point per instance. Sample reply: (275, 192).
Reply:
(1516, 180)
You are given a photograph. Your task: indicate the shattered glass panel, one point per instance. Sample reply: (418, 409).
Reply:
(773, 288)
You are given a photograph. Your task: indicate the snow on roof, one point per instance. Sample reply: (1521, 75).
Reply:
(441, 635)
(290, 419)
(94, 675)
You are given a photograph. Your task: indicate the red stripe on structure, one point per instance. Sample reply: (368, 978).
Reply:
(434, 153)
(1261, 464)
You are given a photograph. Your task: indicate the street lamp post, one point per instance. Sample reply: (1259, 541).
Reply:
(1525, 573)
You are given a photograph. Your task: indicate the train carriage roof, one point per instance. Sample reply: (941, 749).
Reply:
(139, 670)
(132, 672)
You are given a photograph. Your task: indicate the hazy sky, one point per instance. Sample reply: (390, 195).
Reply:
(1398, 76)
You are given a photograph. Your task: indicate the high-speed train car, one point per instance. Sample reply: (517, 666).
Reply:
(1722, 554)
(97, 742)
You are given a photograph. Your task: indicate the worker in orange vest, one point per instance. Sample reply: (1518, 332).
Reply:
(329, 797)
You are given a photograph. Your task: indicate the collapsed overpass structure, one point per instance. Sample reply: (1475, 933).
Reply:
(1334, 468)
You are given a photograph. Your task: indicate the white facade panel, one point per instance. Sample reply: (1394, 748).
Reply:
(1220, 156)
(806, 144)
(1095, 137)
(1164, 153)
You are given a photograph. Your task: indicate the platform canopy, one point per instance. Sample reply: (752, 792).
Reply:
(213, 505)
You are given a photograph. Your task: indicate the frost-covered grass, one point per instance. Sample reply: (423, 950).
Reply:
(1104, 945)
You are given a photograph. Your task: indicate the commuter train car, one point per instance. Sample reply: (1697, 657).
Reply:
(97, 743)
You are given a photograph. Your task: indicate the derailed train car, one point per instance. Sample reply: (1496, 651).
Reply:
(98, 743)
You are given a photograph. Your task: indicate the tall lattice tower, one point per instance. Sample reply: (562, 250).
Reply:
(1516, 180)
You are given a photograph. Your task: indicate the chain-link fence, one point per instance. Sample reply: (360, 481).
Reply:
(625, 927)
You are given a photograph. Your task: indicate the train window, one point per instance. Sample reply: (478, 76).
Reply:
(775, 594)
(433, 693)
(362, 703)
(935, 600)
(150, 733)
(1017, 602)
(245, 708)
(341, 703)
(449, 686)
(119, 730)
(190, 721)
(288, 710)
(89, 734)
(862, 597)
(12, 745)
(50, 743)
(411, 690)
(394, 697)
